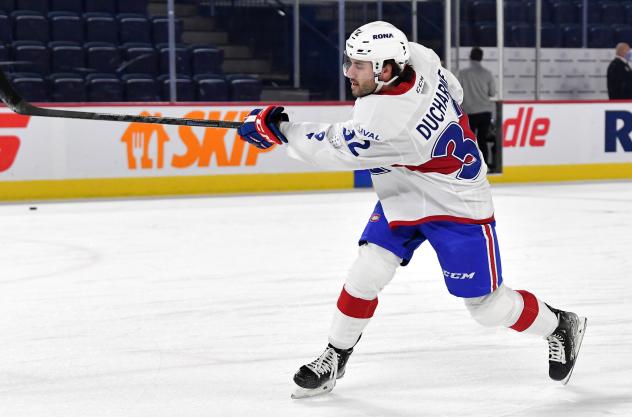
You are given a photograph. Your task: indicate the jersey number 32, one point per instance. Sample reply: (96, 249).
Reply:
(453, 142)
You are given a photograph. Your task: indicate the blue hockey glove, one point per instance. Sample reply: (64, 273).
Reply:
(261, 127)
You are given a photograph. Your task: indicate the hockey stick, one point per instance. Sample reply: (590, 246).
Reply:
(17, 104)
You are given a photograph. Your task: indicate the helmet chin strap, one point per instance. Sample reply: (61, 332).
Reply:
(381, 84)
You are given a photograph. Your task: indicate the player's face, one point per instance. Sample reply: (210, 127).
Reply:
(360, 74)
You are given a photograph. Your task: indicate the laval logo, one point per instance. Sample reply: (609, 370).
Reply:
(526, 132)
(10, 144)
(618, 129)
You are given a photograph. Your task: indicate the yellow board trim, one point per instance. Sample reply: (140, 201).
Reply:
(547, 173)
(162, 186)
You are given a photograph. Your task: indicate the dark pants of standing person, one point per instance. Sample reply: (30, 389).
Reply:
(480, 123)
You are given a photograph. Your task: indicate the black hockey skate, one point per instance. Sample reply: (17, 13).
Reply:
(564, 344)
(319, 376)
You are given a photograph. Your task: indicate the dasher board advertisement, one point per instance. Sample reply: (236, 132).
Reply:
(37, 148)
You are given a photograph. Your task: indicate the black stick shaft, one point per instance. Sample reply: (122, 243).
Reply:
(17, 104)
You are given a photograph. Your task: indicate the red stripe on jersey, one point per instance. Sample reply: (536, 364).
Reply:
(491, 253)
(356, 307)
(463, 220)
(529, 312)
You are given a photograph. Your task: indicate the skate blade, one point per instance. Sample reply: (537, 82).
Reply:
(300, 392)
(582, 330)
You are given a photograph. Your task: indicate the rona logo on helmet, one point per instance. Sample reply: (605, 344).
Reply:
(383, 36)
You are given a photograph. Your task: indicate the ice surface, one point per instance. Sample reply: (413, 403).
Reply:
(205, 307)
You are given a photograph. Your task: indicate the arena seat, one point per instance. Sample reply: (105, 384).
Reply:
(140, 87)
(100, 27)
(104, 88)
(185, 90)
(66, 56)
(102, 56)
(67, 87)
(140, 58)
(31, 86)
(66, 26)
(211, 87)
(29, 26)
(183, 59)
(244, 88)
(31, 57)
(134, 28)
(206, 59)
(159, 29)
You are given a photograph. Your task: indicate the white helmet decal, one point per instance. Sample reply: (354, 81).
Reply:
(377, 42)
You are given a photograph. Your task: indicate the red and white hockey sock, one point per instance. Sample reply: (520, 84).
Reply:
(535, 317)
(350, 319)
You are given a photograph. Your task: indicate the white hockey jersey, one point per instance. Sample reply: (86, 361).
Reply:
(416, 141)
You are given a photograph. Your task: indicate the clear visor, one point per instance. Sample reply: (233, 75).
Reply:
(346, 63)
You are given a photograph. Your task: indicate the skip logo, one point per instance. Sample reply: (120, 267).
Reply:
(458, 275)
(618, 128)
(9, 144)
(525, 132)
(383, 36)
(145, 145)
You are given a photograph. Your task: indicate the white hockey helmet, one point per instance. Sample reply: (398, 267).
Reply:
(377, 42)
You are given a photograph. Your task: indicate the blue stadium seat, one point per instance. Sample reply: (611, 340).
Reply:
(485, 34)
(7, 5)
(140, 58)
(159, 29)
(66, 26)
(104, 88)
(66, 56)
(40, 6)
(75, 6)
(132, 6)
(185, 90)
(139, 87)
(564, 12)
(67, 87)
(520, 35)
(102, 56)
(29, 26)
(551, 36)
(31, 86)
(210, 87)
(622, 33)
(100, 6)
(612, 12)
(244, 88)
(483, 11)
(206, 59)
(134, 28)
(100, 27)
(183, 59)
(31, 56)
(600, 36)
(571, 35)
(5, 28)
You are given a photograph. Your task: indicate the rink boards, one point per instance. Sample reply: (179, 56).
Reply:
(44, 158)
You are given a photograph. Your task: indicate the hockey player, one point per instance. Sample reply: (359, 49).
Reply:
(408, 128)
